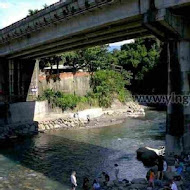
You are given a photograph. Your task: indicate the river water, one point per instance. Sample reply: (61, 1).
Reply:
(46, 161)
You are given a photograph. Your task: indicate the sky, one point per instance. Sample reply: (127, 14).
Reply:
(14, 10)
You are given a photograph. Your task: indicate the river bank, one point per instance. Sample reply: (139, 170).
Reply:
(91, 118)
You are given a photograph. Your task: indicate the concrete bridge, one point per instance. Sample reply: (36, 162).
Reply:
(76, 24)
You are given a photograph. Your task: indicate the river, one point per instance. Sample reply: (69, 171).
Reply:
(46, 160)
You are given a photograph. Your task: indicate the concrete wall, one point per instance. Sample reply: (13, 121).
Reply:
(26, 111)
(78, 83)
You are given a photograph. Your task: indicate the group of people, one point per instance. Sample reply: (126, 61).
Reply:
(153, 175)
(161, 168)
(103, 180)
(156, 175)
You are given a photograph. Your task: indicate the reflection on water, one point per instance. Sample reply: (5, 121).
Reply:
(46, 161)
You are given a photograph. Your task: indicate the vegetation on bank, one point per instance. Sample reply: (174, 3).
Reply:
(135, 68)
(106, 86)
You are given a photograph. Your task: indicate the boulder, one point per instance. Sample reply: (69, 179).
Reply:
(148, 157)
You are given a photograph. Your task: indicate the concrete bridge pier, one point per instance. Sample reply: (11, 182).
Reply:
(178, 112)
(173, 27)
(22, 79)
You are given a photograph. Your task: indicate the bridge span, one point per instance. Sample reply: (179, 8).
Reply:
(76, 24)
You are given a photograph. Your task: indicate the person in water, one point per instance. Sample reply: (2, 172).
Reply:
(96, 185)
(86, 185)
(73, 180)
(116, 172)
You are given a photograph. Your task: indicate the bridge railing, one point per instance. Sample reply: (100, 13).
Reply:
(52, 14)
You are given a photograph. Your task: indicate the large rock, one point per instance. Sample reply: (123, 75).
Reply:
(148, 157)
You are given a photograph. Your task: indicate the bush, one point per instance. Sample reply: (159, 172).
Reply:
(108, 85)
(67, 101)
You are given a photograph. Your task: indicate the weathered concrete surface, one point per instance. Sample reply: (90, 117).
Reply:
(78, 83)
(88, 113)
(178, 114)
(26, 111)
(70, 25)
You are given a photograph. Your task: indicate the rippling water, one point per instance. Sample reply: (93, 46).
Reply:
(46, 161)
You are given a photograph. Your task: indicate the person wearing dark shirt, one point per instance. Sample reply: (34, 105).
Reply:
(160, 165)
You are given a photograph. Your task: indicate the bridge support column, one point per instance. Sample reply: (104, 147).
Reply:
(178, 112)
(4, 88)
(23, 80)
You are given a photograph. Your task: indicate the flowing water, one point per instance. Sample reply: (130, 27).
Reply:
(47, 160)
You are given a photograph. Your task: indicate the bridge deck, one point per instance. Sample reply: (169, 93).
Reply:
(76, 24)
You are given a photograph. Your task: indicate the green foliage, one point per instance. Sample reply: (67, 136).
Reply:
(138, 57)
(67, 101)
(107, 85)
(91, 59)
(32, 12)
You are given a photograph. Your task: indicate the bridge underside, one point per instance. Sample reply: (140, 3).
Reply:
(126, 29)
(101, 22)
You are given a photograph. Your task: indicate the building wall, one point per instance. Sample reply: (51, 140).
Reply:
(70, 83)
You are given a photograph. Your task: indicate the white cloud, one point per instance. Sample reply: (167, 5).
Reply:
(5, 5)
(122, 43)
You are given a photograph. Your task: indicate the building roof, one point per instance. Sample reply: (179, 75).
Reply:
(54, 67)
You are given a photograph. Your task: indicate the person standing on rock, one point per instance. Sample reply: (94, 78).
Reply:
(73, 180)
(116, 171)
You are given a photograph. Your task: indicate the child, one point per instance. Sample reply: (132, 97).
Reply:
(151, 179)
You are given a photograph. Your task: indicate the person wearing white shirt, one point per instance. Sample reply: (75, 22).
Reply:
(173, 185)
(73, 180)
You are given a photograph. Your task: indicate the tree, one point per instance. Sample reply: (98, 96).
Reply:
(139, 57)
(32, 12)
(108, 85)
(91, 59)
